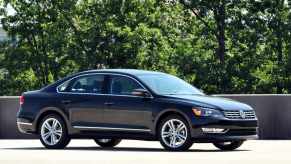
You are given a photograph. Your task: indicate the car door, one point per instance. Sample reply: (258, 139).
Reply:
(125, 111)
(84, 100)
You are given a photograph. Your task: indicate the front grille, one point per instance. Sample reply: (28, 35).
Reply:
(237, 114)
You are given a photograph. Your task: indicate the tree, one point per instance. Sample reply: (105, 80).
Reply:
(221, 46)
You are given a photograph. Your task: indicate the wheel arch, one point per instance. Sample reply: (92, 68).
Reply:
(51, 110)
(166, 113)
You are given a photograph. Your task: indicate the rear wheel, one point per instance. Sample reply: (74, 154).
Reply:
(107, 142)
(174, 133)
(231, 145)
(53, 132)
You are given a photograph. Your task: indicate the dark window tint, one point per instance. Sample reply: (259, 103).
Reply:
(63, 87)
(87, 84)
(121, 85)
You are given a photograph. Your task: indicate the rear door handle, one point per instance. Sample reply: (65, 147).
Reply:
(108, 103)
(66, 101)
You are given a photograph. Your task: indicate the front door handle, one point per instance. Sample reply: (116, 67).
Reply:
(66, 101)
(108, 103)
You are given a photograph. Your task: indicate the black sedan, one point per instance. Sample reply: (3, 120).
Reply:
(113, 104)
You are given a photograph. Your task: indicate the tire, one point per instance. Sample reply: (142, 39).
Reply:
(232, 145)
(178, 139)
(107, 143)
(58, 137)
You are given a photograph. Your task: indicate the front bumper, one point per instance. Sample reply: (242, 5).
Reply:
(234, 129)
(223, 137)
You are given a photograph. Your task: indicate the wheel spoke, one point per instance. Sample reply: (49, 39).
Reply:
(47, 126)
(46, 135)
(180, 127)
(104, 140)
(58, 132)
(53, 139)
(55, 123)
(181, 137)
(173, 141)
(225, 143)
(166, 134)
(171, 125)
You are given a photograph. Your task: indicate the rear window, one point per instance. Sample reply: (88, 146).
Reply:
(84, 84)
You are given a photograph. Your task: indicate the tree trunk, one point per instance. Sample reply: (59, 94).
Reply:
(219, 15)
(279, 49)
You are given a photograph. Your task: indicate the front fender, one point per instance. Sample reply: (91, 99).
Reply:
(165, 112)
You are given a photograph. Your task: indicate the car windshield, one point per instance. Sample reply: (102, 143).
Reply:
(165, 84)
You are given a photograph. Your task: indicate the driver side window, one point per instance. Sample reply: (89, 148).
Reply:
(121, 85)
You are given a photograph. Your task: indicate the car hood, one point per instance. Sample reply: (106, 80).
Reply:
(212, 102)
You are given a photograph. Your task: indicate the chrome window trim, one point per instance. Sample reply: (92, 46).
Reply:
(110, 128)
(117, 74)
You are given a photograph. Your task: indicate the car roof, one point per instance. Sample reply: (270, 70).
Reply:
(130, 72)
(134, 72)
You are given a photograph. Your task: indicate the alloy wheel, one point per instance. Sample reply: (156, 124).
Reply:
(51, 131)
(229, 145)
(174, 133)
(108, 143)
(104, 140)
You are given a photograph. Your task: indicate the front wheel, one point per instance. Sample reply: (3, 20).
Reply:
(107, 142)
(231, 145)
(174, 133)
(53, 132)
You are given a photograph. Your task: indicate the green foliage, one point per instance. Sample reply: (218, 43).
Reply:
(220, 46)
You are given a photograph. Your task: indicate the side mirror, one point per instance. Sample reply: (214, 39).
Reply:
(140, 92)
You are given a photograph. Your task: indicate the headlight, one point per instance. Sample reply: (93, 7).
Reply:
(206, 112)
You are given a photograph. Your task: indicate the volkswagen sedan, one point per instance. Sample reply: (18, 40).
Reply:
(113, 104)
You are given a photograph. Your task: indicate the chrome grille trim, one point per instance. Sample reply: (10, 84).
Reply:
(236, 114)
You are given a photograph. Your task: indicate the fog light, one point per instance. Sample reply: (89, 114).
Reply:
(214, 130)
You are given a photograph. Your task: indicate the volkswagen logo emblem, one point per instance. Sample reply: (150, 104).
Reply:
(242, 114)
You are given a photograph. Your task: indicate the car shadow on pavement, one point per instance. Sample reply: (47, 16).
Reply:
(125, 149)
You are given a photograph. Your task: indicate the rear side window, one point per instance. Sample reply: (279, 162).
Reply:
(84, 84)
(121, 85)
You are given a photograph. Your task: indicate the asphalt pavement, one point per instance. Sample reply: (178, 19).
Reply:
(143, 152)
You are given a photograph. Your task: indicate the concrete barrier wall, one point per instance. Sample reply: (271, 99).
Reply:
(273, 111)
(8, 128)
